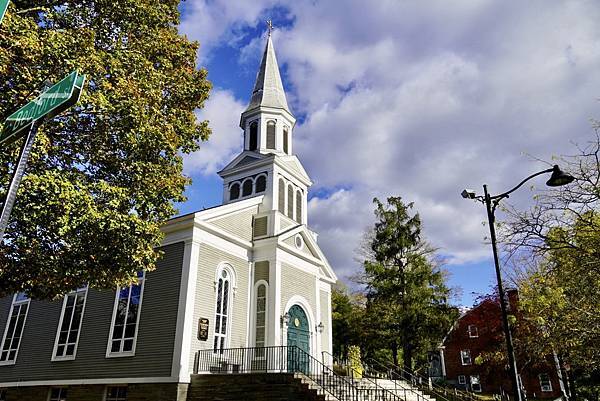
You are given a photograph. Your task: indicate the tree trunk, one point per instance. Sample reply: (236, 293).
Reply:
(395, 352)
(407, 358)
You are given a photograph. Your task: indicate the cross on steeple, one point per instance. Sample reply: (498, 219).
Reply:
(270, 27)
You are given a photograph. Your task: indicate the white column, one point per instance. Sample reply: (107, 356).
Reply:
(185, 312)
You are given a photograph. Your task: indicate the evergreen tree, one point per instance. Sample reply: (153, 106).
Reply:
(103, 176)
(407, 305)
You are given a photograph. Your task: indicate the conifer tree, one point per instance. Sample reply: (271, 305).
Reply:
(407, 295)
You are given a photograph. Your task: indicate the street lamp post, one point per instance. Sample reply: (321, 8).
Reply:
(558, 178)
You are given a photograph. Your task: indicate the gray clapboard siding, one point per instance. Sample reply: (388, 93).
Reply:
(209, 260)
(239, 224)
(297, 282)
(155, 341)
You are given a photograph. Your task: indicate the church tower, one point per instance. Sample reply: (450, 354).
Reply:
(267, 165)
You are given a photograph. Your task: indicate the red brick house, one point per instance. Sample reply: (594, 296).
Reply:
(476, 335)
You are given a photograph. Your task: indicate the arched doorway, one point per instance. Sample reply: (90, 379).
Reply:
(298, 339)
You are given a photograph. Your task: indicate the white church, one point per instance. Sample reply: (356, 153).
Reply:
(243, 275)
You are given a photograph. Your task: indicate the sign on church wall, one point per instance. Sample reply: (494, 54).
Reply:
(203, 329)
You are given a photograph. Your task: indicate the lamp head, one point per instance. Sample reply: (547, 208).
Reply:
(468, 194)
(559, 178)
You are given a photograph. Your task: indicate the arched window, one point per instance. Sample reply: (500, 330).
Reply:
(247, 188)
(290, 205)
(285, 140)
(281, 196)
(299, 206)
(222, 311)
(253, 136)
(234, 191)
(261, 183)
(271, 135)
(261, 317)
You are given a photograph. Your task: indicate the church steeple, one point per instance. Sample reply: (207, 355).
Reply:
(267, 121)
(268, 88)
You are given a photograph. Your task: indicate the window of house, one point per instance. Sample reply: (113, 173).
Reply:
(290, 205)
(222, 311)
(116, 393)
(462, 379)
(285, 140)
(234, 191)
(253, 136)
(2, 394)
(475, 384)
(69, 326)
(247, 188)
(472, 330)
(465, 356)
(271, 134)
(299, 207)
(58, 394)
(281, 191)
(126, 318)
(545, 383)
(14, 329)
(261, 183)
(261, 314)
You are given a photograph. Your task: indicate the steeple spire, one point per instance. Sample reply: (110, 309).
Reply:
(268, 88)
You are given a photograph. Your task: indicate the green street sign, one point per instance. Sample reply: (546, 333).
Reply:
(50, 103)
(3, 7)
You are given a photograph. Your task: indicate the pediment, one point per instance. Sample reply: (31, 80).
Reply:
(244, 158)
(309, 248)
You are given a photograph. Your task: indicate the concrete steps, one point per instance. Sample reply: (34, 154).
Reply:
(253, 387)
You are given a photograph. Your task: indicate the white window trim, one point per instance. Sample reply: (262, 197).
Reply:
(476, 331)
(60, 321)
(479, 383)
(12, 305)
(462, 360)
(231, 184)
(254, 313)
(233, 289)
(110, 354)
(549, 383)
(242, 196)
(254, 191)
(464, 379)
(292, 200)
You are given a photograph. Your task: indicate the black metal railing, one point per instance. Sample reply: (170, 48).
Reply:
(370, 381)
(284, 359)
(423, 383)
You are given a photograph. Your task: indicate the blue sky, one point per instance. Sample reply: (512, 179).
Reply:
(417, 99)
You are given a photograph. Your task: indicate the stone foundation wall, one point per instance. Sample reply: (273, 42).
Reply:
(135, 392)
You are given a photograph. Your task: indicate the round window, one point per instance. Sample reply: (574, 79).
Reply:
(224, 274)
(299, 241)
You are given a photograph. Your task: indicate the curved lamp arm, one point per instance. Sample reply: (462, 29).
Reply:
(507, 193)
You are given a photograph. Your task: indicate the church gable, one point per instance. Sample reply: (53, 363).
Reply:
(292, 165)
(243, 159)
(301, 245)
(238, 223)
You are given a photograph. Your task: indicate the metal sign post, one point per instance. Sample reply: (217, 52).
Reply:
(3, 7)
(26, 121)
(16, 179)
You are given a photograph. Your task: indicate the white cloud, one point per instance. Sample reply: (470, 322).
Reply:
(422, 100)
(226, 140)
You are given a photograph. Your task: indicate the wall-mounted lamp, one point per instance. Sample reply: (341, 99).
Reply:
(285, 319)
(320, 327)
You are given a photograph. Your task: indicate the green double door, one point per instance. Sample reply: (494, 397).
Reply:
(298, 340)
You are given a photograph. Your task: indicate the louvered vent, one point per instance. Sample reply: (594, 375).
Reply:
(260, 227)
